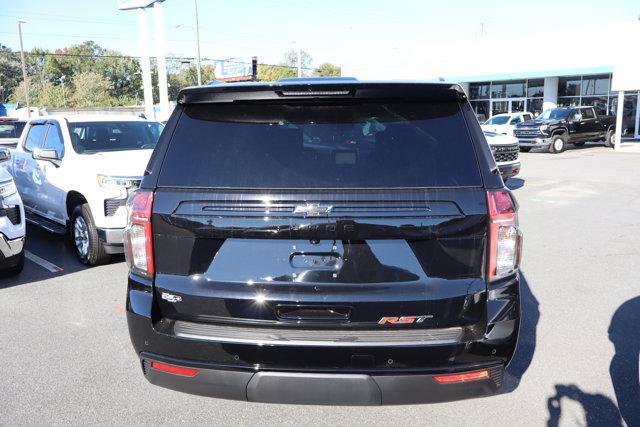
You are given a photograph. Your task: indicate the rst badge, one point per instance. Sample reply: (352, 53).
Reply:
(404, 320)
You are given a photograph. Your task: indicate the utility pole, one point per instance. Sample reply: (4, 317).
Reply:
(299, 62)
(163, 87)
(195, 7)
(24, 69)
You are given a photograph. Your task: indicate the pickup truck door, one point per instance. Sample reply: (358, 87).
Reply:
(577, 132)
(26, 171)
(52, 196)
(590, 123)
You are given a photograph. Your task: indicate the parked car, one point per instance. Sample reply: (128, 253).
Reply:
(505, 123)
(324, 241)
(10, 131)
(505, 151)
(557, 127)
(75, 172)
(12, 224)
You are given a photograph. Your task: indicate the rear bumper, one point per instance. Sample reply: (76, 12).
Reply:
(508, 170)
(301, 372)
(320, 388)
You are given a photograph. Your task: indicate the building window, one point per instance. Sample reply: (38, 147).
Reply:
(535, 88)
(534, 105)
(481, 108)
(511, 89)
(569, 86)
(595, 85)
(568, 101)
(479, 90)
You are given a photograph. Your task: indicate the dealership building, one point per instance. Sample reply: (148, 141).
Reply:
(538, 91)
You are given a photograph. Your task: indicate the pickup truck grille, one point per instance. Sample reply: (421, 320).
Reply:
(505, 153)
(527, 132)
(112, 205)
(12, 213)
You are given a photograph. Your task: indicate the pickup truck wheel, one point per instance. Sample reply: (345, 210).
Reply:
(88, 245)
(525, 149)
(579, 144)
(557, 144)
(609, 139)
(16, 268)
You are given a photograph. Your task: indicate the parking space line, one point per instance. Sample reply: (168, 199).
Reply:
(42, 262)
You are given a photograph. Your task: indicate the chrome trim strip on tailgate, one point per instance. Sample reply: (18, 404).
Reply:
(318, 337)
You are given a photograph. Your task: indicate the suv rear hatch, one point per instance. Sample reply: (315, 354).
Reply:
(339, 215)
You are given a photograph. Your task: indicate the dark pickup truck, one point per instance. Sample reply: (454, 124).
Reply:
(557, 127)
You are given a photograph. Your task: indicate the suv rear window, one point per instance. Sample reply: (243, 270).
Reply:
(330, 145)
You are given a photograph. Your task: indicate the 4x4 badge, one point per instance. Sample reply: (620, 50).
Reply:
(311, 209)
(170, 297)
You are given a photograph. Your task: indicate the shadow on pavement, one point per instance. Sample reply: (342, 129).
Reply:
(530, 314)
(514, 183)
(56, 249)
(599, 410)
(624, 334)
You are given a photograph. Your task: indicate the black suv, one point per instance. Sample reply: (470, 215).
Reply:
(324, 241)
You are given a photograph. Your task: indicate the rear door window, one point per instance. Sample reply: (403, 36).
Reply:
(330, 145)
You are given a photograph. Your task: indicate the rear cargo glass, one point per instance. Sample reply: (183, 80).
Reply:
(332, 145)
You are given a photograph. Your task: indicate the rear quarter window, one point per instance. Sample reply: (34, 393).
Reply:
(330, 145)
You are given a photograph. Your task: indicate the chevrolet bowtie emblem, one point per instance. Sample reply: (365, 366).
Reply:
(312, 209)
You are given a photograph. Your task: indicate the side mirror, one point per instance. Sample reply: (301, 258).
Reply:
(48, 154)
(5, 154)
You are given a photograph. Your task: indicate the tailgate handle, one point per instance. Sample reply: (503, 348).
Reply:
(305, 312)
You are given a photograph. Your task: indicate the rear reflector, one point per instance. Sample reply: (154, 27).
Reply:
(176, 370)
(462, 378)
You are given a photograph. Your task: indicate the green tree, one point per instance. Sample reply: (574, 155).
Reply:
(91, 89)
(327, 70)
(271, 73)
(10, 72)
(188, 77)
(291, 59)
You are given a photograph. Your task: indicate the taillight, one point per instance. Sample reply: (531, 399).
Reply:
(505, 239)
(138, 235)
(173, 369)
(462, 378)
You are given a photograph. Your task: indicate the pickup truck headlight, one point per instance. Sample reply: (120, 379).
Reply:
(8, 188)
(117, 181)
(543, 128)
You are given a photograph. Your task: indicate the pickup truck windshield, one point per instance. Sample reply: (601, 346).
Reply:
(96, 137)
(331, 145)
(498, 120)
(556, 113)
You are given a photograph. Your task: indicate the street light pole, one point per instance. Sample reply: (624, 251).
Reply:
(299, 62)
(195, 6)
(24, 69)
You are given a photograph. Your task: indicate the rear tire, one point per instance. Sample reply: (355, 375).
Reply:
(84, 236)
(525, 149)
(558, 144)
(609, 139)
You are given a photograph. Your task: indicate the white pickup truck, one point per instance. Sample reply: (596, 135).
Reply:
(74, 174)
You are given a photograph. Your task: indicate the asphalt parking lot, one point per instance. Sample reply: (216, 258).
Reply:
(66, 356)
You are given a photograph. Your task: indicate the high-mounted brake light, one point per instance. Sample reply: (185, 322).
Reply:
(173, 369)
(138, 235)
(505, 238)
(462, 378)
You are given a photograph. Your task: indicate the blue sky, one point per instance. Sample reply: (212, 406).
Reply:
(344, 32)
